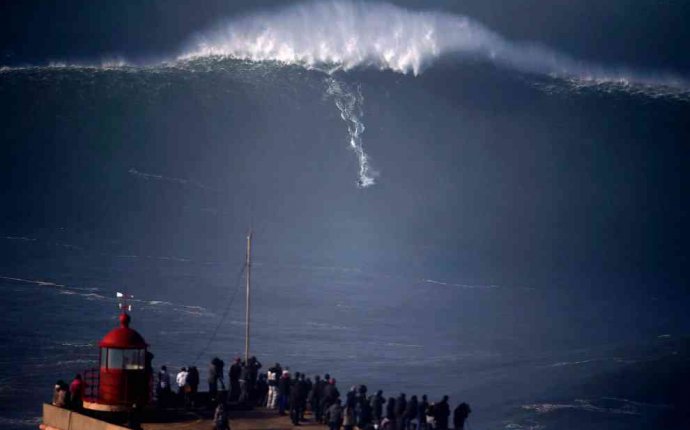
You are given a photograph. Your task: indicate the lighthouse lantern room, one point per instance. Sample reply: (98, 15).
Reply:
(123, 377)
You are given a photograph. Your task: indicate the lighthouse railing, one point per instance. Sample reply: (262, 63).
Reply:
(92, 379)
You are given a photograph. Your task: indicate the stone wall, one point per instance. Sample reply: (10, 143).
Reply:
(55, 418)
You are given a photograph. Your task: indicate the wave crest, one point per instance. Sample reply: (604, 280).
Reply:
(340, 33)
(343, 34)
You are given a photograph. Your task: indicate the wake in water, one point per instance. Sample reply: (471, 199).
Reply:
(349, 101)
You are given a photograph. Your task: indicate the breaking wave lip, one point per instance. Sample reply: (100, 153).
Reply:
(344, 34)
(335, 35)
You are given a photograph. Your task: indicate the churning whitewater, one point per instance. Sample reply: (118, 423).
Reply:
(347, 34)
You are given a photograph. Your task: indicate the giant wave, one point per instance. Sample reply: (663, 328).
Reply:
(344, 34)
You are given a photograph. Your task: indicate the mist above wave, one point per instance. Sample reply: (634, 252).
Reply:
(347, 34)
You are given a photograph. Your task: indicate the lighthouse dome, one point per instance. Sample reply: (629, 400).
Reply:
(123, 337)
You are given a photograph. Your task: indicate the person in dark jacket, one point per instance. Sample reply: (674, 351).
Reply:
(245, 380)
(421, 413)
(363, 411)
(298, 398)
(76, 391)
(377, 401)
(334, 415)
(261, 390)
(349, 415)
(213, 377)
(134, 417)
(322, 402)
(306, 384)
(390, 408)
(253, 367)
(350, 399)
(220, 418)
(193, 383)
(283, 391)
(163, 387)
(410, 413)
(400, 405)
(460, 414)
(234, 377)
(314, 397)
(441, 412)
(330, 394)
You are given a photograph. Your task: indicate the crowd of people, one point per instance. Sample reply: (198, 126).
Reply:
(295, 394)
(289, 394)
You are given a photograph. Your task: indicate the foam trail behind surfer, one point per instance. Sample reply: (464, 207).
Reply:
(349, 100)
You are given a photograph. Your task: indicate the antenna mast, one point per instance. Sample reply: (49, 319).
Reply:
(123, 304)
(248, 303)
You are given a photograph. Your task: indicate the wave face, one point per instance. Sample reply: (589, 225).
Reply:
(347, 34)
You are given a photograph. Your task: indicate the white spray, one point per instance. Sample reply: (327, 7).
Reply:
(350, 101)
(347, 34)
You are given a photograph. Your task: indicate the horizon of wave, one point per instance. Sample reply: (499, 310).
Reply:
(344, 34)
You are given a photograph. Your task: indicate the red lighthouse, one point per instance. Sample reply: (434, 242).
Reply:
(124, 374)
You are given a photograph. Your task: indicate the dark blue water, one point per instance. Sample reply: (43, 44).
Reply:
(522, 249)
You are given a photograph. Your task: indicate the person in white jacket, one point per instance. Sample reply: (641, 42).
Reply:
(273, 374)
(181, 380)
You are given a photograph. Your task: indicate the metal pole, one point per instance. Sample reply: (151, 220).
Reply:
(248, 303)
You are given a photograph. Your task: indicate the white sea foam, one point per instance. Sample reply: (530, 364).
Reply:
(345, 34)
(530, 426)
(156, 177)
(20, 422)
(575, 363)
(32, 281)
(403, 345)
(77, 345)
(326, 326)
(349, 101)
(22, 238)
(626, 408)
(159, 302)
(451, 284)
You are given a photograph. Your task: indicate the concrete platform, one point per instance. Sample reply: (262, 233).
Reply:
(55, 418)
(257, 419)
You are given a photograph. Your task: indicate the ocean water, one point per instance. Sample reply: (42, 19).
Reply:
(446, 212)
